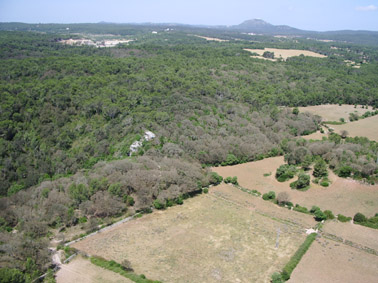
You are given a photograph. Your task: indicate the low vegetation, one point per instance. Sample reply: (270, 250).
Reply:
(122, 269)
(290, 266)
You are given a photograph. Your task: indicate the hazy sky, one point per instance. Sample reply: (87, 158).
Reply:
(304, 14)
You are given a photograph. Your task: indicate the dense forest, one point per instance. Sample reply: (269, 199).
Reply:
(69, 115)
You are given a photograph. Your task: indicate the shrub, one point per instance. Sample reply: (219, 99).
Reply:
(294, 260)
(319, 215)
(269, 196)
(329, 214)
(179, 200)
(345, 171)
(232, 180)
(324, 183)
(158, 204)
(285, 172)
(276, 278)
(343, 218)
(205, 190)
(303, 181)
(320, 168)
(314, 209)
(300, 208)
(215, 179)
(359, 217)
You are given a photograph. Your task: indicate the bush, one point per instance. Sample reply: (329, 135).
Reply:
(302, 182)
(343, 218)
(205, 190)
(324, 183)
(319, 215)
(289, 267)
(269, 196)
(232, 180)
(320, 168)
(359, 217)
(158, 204)
(215, 179)
(300, 208)
(345, 171)
(314, 209)
(329, 214)
(276, 278)
(285, 172)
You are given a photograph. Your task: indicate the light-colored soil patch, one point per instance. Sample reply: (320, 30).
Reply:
(333, 112)
(367, 127)
(83, 271)
(315, 136)
(356, 233)
(89, 42)
(329, 261)
(211, 238)
(343, 196)
(212, 38)
(285, 53)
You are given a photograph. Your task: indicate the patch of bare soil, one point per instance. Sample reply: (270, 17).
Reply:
(285, 53)
(83, 271)
(220, 236)
(333, 112)
(212, 38)
(367, 127)
(315, 136)
(330, 261)
(343, 196)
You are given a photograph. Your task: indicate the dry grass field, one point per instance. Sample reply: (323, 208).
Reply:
(333, 112)
(285, 53)
(330, 261)
(343, 196)
(341, 260)
(83, 271)
(367, 127)
(212, 38)
(226, 235)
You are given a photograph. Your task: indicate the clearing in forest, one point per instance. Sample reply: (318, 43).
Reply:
(284, 53)
(344, 258)
(212, 38)
(333, 112)
(226, 235)
(367, 127)
(83, 271)
(343, 196)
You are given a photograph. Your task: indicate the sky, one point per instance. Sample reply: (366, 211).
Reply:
(319, 15)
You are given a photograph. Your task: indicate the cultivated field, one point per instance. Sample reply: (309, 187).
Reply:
(285, 53)
(343, 196)
(333, 112)
(367, 127)
(83, 271)
(226, 235)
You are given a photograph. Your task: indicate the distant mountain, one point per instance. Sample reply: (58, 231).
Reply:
(260, 26)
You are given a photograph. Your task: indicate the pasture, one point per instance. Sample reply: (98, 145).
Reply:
(226, 235)
(343, 196)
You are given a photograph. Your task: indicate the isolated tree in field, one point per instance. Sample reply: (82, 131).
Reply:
(295, 111)
(344, 134)
(320, 168)
(283, 198)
